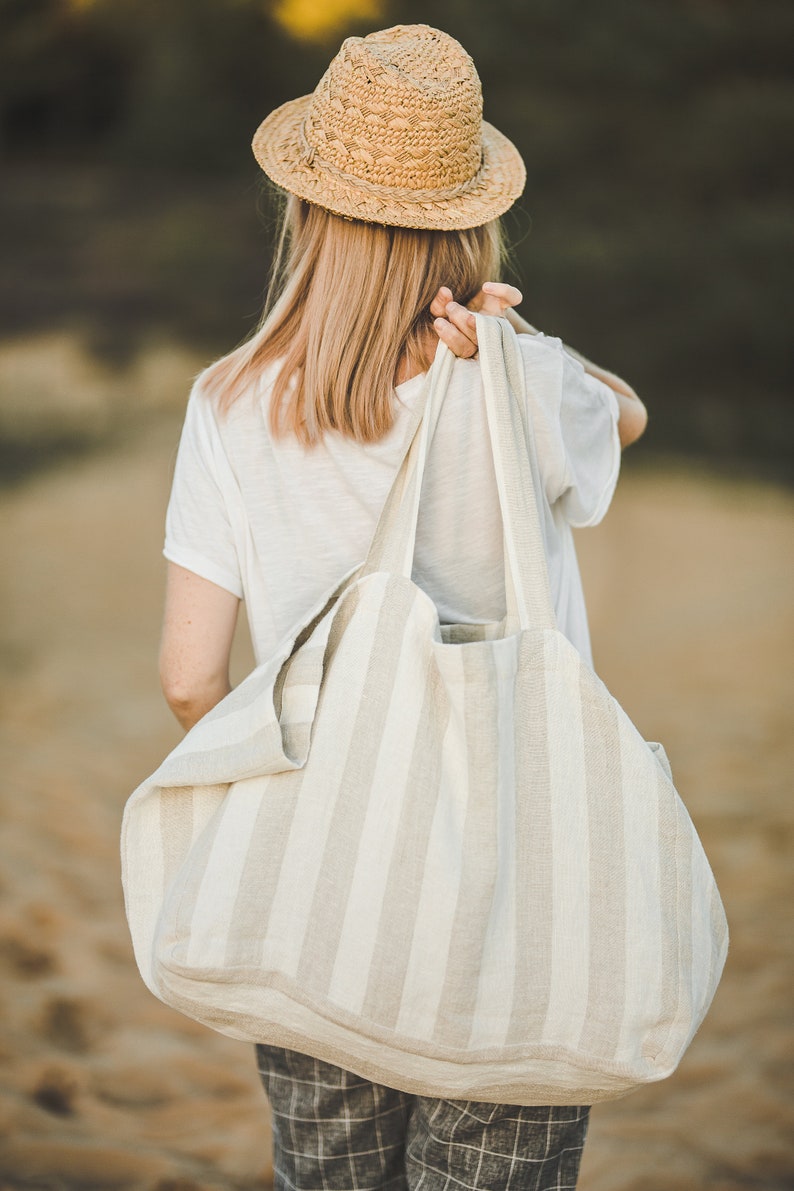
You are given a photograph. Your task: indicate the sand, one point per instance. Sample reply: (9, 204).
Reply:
(689, 582)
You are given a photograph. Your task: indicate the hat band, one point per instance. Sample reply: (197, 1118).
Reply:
(310, 157)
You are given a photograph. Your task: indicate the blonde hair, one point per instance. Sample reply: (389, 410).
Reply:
(352, 304)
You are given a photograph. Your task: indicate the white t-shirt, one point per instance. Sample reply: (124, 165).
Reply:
(279, 525)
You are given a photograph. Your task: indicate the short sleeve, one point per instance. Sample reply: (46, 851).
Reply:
(575, 419)
(199, 534)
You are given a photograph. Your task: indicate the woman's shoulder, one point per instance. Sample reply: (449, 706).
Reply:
(223, 407)
(545, 366)
(540, 346)
(555, 375)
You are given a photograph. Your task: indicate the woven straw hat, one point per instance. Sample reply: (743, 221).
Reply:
(394, 134)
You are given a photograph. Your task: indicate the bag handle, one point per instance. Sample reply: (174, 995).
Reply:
(393, 543)
(529, 602)
(527, 592)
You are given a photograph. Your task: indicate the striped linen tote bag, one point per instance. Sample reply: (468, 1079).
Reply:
(440, 856)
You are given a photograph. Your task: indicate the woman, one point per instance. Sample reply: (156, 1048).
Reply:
(289, 448)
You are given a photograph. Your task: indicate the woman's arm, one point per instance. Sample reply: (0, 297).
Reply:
(633, 416)
(198, 628)
(456, 326)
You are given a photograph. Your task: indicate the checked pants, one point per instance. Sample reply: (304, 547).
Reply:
(333, 1131)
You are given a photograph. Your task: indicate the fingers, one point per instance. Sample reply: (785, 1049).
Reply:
(438, 307)
(456, 340)
(455, 324)
(508, 295)
(458, 329)
(495, 298)
(463, 319)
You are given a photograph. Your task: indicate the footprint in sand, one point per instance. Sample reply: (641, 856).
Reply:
(56, 1091)
(24, 959)
(70, 1024)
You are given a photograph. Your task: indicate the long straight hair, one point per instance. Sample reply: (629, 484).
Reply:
(349, 302)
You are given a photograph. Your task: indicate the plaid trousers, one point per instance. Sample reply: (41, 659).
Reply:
(333, 1131)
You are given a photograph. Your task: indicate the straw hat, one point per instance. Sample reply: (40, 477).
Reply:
(394, 134)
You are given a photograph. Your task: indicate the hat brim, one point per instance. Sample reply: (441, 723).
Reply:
(279, 148)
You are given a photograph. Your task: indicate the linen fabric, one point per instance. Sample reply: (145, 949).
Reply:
(333, 1131)
(439, 856)
(279, 525)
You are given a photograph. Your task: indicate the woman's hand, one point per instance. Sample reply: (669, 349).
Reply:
(454, 324)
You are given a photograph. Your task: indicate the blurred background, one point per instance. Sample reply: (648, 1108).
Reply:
(655, 232)
(656, 236)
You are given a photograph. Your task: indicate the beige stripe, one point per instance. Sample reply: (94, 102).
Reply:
(401, 897)
(268, 841)
(394, 781)
(479, 857)
(174, 927)
(682, 994)
(424, 976)
(298, 696)
(570, 859)
(491, 1015)
(212, 912)
(341, 621)
(327, 916)
(230, 725)
(670, 876)
(240, 757)
(607, 977)
(187, 858)
(643, 926)
(144, 874)
(719, 940)
(533, 847)
(462, 634)
(293, 898)
(702, 939)
(277, 797)
(687, 906)
(303, 667)
(176, 829)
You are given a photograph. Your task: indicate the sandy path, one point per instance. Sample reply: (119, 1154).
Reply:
(101, 1087)
(690, 586)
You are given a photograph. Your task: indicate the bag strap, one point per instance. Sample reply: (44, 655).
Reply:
(527, 590)
(393, 543)
(529, 602)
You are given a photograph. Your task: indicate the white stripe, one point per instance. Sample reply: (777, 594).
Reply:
(642, 1003)
(426, 971)
(320, 788)
(379, 833)
(570, 849)
(492, 1014)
